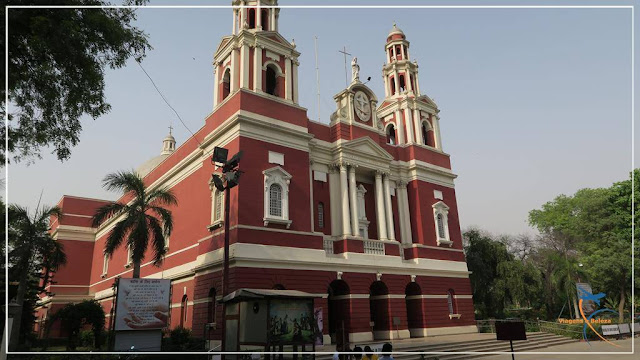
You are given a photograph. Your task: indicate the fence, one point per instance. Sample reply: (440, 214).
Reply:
(569, 330)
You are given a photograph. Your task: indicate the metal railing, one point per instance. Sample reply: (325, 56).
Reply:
(489, 326)
(374, 247)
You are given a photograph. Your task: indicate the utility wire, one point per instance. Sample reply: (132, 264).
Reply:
(167, 102)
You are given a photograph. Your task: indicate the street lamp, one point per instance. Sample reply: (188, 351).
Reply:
(229, 179)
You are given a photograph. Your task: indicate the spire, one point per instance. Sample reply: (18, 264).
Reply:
(169, 143)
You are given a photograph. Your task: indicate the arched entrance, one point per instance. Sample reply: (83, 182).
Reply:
(415, 314)
(338, 311)
(379, 310)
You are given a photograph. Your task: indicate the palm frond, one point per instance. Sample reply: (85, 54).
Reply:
(44, 215)
(165, 217)
(106, 211)
(117, 235)
(125, 181)
(162, 197)
(138, 237)
(157, 239)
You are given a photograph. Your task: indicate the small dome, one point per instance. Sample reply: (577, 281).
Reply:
(168, 147)
(395, 33)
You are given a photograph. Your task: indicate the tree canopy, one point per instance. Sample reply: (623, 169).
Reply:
(57, 61)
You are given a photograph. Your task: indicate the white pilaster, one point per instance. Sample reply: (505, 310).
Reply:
(403, 209)
(355, 228)
(215, 85)
(258, 17)
(257, 69)
(408, 124)
(408, 80)
(272, 22)
(436, 129)
(244, 70)
(380, 212)
(235, 21)
(346, 223)
(287, 73)
(234, 71)
(417, 126)
(386, 85)
(391, 234)
(417, 85)
(294, 81)
(334, 197)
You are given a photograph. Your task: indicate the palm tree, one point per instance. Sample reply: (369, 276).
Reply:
(144, 219)
(32, 251)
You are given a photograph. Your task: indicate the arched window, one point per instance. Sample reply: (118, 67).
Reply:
(183, 311)
(403, 85)
(425, 135)
(441, 233)
(391, 135)
(252, 18)
(440, 213)
(275, 200)
(392, 83)
(217, 205)
(105, 265)
(451, 302)
(320, 215)
(398, 52)
(276, 196)
(271, 85)
(211, 311)
(265, 19)
(226, 83)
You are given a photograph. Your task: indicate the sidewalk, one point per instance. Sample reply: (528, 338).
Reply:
(596, 346)
(398, 345)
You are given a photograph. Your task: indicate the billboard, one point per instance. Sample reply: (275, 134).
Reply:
(143, 304)
(584, 290)
(291, 322)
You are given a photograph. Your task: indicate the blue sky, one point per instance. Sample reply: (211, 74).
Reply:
(534, 102)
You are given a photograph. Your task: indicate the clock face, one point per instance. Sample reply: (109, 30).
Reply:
(361, 103)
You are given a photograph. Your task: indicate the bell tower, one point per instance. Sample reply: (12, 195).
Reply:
(408, 117)
(255, 57)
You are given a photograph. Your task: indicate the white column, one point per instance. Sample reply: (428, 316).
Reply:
(344, 193)
(408, 81)
(234, 69)
(287, 74)
(418, 126)
(391, 234)
(235, 21)
(272, 22)
(258, 17)
(257, 68)
(417, 85)
(294, 81)
(215, 85)
(400, 133)
(387, 91)
(380, 213)
(355, 226)
(334, 197)
(436, 129)
(408, 124)
(405, 215)
(244, 69)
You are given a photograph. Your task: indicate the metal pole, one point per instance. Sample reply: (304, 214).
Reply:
(225, 271)
(513, 356)
(315, 42)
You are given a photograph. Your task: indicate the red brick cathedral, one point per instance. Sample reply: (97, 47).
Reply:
(360, 211)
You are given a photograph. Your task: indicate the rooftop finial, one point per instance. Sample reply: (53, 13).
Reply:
(170, 128)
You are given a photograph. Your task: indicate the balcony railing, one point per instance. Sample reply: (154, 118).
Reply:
(328, 246)
(374, 247)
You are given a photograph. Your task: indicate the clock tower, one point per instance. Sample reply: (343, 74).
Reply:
(356, 104)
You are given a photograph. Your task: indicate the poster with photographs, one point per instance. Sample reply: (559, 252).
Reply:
(143, 304)
(292, 322)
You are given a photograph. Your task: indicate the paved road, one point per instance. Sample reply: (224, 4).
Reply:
(596, 346)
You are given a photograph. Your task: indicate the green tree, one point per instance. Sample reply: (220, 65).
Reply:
(57, 60)
(144, 220)
(594, 228)
(33, 254)
(73, 317)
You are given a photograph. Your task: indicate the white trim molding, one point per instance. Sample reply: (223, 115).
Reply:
(441, 221)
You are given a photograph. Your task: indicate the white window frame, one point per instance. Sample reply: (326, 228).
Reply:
(363, 223)
(105, 266)
(440, 208)
(217, 220)
(167, 238)
(129, 257)
(277, 175)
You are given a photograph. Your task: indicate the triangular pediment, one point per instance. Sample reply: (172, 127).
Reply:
(223, 43)
(427, 100)
(366, 146)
